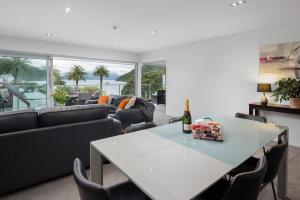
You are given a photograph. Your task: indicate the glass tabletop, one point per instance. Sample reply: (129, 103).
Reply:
(242, 138)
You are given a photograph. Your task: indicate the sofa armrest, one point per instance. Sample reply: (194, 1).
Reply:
(129, 116)
(117, 127)
(139, 127)
(91, 101)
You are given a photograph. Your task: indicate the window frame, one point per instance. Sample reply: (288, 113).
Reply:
(49, 66)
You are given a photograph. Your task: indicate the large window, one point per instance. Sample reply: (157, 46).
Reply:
(153, 79)
(22, 83)
(30, 81)
(77, 77)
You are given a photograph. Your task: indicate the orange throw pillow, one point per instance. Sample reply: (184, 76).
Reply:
(103, 100)
(123, 104)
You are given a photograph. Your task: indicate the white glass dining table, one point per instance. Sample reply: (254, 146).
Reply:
(167, 164)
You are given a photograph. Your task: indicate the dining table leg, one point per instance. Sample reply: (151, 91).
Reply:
(96, 166)
(282, 184)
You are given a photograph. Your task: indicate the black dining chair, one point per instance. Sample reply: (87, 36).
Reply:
(251, 117)
(243, 186)
(92, 191)
(274, 157)
(175, 119)
(139, 127)
(159, 98)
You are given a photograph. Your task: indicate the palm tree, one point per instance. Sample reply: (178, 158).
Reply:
(14, 66)
(57, 78)
(77, 73)
(101, 72)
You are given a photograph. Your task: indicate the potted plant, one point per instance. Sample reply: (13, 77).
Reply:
(60, 96)
(287, 89)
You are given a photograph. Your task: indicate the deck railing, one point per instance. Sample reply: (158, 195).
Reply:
(18, 96)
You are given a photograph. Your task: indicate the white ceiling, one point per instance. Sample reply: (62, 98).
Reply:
(176, 21)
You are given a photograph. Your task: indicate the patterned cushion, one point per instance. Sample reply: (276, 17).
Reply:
(131, 102)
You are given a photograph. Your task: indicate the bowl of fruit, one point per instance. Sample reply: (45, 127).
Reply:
(207, 129)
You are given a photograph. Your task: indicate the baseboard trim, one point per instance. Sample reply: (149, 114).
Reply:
(294, 144)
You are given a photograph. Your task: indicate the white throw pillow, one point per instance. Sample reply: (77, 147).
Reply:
(130, 103)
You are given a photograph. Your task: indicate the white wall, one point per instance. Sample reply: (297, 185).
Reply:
(220, 75)
(41, 47)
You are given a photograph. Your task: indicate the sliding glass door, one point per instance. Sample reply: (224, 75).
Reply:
(23, 82)
(31, 81)
(84, 79)
(153, 79)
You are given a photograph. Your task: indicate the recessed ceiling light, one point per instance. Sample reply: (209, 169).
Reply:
(68, 9)
(238, 3)
(153, 32)
(49, 34)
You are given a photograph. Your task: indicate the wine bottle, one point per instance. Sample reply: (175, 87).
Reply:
(187, 119)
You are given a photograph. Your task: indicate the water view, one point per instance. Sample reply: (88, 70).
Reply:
(23, 81)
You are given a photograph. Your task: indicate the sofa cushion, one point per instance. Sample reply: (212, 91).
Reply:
(112, 99)
(103, 100)
(71, 114)
(123, 103)
(18, 120)
(130, 103)
(118, 100)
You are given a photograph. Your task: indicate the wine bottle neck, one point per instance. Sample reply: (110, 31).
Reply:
(187, 105)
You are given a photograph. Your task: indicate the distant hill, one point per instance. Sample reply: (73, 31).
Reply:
(90, 76)
(151, 76)
(40, 74)
(126, 77)
(146, 69)
(112, 76)
(33, 74)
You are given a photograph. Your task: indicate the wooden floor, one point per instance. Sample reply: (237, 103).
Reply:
(65, 188)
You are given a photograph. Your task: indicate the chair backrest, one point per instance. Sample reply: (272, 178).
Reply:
(140, 127)
(251, 117)
(74, 92)
(275, 156)
(85, 96)
(175, 119)
(161, 92)
(246, 186)
(87, 189)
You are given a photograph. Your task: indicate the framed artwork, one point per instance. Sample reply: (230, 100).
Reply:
(280, 61)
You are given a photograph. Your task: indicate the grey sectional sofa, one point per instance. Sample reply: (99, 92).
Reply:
(40, 146)
(142, 111)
